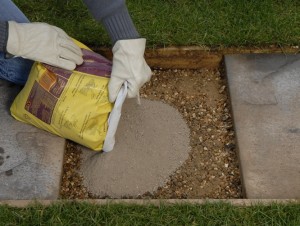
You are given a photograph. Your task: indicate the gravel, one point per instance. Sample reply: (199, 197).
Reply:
(211, 170)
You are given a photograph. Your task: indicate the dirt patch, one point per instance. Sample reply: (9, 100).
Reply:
(211, 170)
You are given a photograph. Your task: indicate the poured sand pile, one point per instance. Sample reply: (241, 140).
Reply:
(152, 141)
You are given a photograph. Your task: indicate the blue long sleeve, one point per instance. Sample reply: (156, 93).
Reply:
(114, 16)
(3, 35)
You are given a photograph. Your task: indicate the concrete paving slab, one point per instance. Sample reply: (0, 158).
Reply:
(30, 159)
(265, 98)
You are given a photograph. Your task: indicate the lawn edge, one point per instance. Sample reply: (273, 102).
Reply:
(156, 202)
(197, 57)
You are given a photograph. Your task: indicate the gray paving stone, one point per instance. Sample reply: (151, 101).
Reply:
(265, 97)
(30, 159)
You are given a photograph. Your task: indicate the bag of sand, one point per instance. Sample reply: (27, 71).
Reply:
(71, 104)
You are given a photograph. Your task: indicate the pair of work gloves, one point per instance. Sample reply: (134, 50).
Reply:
(51, 45)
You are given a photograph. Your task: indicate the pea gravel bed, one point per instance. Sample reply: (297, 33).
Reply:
(212, 169)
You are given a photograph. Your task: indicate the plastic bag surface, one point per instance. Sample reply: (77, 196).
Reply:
(70, 104)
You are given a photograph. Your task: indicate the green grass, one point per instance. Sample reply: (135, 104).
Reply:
(182, 22)
(117, 214)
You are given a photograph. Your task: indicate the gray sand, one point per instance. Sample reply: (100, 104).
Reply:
(152, 141)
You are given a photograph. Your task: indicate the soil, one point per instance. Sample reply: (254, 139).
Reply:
(211, 170)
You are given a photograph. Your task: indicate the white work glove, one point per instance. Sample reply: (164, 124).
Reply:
(44, 43)
(128, 65)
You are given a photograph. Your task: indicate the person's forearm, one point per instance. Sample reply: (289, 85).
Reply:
(114, 16)
(3, 35)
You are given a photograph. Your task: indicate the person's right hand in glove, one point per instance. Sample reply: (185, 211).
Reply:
(44, 43)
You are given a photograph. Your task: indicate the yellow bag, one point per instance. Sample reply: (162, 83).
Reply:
(70, 104)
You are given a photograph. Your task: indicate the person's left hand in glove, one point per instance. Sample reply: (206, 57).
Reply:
(128, 65)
